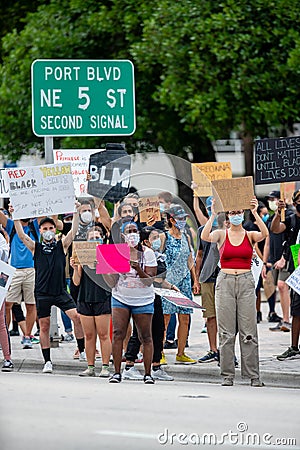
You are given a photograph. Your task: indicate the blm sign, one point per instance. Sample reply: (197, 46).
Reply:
(277, 160)
(110, 173)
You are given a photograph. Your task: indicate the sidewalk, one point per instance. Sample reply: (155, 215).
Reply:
(273, 372)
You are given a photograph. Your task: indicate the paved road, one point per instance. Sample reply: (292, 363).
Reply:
(52, 412)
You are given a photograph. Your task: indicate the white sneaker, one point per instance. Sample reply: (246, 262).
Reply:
(105, 373)
(89, 372)
(160, 374)
(82, 356)
(132, 374)
(48, 367)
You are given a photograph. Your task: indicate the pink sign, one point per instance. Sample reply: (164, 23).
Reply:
(113, 258)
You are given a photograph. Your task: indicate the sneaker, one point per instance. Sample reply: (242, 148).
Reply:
(256, 382)
(286, 327)
(148, 379)
(115, 378)
(132, 374)
(184, 359)
(277, 328)
(7, 366)
(161, 375)
(228, 381)
(68, 337)
(34, 340)
(163, 361)
(37, 333)
(290, 353)
(82, 356)
(26, 342)
(105, 373)
(209, 357)
(139, 358)
(273, 317)
(14, 333)
(48, 367)
(89, 372)
(76, 354)
(170, 345)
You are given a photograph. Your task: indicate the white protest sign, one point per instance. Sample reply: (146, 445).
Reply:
(6, 274)
(41, 190)
(79, 160)
(4, 191)
(256, 267)
(294, 280)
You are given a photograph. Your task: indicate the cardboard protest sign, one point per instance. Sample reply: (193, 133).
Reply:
(294, 280)
(295, 251)
(41, 190)
(277, 159)
(113, 258)
(233, 194)
(6, 274)
(84, 252)
(79, 160)
(177, 298)
(204, 173)
(269, 286)
(149, 210)
(110, 174)
(4, 190)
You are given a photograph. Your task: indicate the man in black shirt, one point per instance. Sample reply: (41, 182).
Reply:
(50, 282)
(292, 226)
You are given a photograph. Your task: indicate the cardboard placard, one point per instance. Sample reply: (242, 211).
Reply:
(113, 258)
(233, 194)
(41, 190)
(294, 280)
(84, 252)
(277, 159)
(6, 274)
(204, 173)
(110, 174)
(149, 210)
(79, 160)
(177, 298)
(269, 286)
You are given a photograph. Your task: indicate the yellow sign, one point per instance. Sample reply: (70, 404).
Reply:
(204, 173)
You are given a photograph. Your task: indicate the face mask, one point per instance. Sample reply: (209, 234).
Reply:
(273, 206)
(180, 224)
(100, 240)
(298, 208)
(132, 239)
(86, 217)
(162, 207)
(237, 219)
(67, 226)
(265, 217)
(156, 244)
(48, 236)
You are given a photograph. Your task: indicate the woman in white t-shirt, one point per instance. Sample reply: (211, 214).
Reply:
(133, 294)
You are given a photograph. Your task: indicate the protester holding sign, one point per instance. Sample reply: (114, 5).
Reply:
(235, 293)
(50, 280)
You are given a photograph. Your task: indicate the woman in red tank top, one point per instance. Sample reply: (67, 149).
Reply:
(235, 293)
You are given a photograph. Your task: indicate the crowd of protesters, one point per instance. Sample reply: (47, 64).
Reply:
(214, 261)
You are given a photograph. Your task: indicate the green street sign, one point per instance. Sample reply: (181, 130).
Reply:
(82, 97)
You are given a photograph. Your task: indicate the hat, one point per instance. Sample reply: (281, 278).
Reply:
(273, 194)
(296, 195)
(47, 220)
(177, 211)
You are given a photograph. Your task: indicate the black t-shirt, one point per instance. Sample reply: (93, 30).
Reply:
(92, 288)
(49, 267)
(292, 224)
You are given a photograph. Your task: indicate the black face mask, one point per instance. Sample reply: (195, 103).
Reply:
(298, 208)
(67, 226)
(25, 220)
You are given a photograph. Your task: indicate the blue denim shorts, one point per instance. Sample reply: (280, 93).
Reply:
(145, 309)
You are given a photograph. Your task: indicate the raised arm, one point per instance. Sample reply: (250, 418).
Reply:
(276, 225)
(30, 243)
(104, 215)
(68, 239)
(257, 236)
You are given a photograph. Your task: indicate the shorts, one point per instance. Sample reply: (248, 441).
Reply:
(280, 275)
(144, 309)
(22, 287)
(94, 309)
(63, 301)
(295, 305)
(208, 299)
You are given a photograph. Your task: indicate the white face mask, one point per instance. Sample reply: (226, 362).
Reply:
(132, 239)
(273, 205)
(86, 217)
(48, 236)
